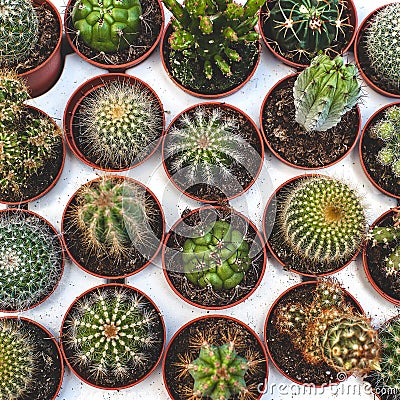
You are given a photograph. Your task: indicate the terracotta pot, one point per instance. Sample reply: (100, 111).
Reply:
(276, 154)
(133, 380)
(164, 49)
(259, 259)
(270, 208)
(266, 35)
(73, 40)
(62, 255)
(267, 327)
(374, 118)
(373, 84)
(257, 155)
(25, 199)
(89, 264)
(51, 356)
(180, 342)
(367, 269)
(75, 102)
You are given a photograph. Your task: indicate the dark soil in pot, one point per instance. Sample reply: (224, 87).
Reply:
(293, 143)
(208, 297)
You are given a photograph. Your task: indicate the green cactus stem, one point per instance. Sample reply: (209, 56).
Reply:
(325, 91)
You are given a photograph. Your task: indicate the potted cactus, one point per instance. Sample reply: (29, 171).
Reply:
(210, 49)
(314, 225)
(213, 257)
(379, 149)
(113, 227)
(112, 336)
(215, 357)
(212, 152)
(315, 333)
(31, 362)
(376, 53)
(312, 120)
(114, 122)
(30, 42)
(114, 35)
(31, 260)
(381, 255)
(32, 150)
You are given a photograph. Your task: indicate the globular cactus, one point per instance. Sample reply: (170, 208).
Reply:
(219, 257)
(382, 40)
(30, 260)
(19, 31)
(208, 30)
(107, 25)
(117, 122)
(325, 91)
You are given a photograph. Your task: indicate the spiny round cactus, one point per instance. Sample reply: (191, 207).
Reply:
(117, 122)
(382, 38)
(107, 25)
(325, 91)
(30, 260)
(19, 31)
(219, 257)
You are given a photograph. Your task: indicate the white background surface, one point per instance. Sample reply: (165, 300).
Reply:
(151, 280)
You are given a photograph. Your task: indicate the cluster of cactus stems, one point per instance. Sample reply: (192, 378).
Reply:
(208, 30)
(118, 121)
(325, 91)
(30, 260)
(219, 257)
(383, 44)
(110, 332)
(105, 25)
(330, 331)
(388, 130)
(307, 26)
(19, 31)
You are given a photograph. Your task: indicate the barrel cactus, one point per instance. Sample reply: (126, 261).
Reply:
(219, 257)
(325, 91)
(107, 25)
(19, 31)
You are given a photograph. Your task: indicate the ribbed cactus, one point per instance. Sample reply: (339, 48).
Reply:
(107, 25)
(30, 260)
(219, 257)
(306, 26)
(325, 91)
(207, 30)
(382, 38)
(117, 122)
(19, 31)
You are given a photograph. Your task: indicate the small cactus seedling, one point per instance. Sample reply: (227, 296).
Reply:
(325, 91)
(219, 257)
(105, 25)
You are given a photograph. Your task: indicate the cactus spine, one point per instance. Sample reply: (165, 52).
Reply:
(325, 91)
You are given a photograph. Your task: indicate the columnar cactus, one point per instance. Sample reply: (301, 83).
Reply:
(325, 91)
(219, 257)
(118, 121)
(19, 31)
(107, 25)
(382, 40)
(208, 30)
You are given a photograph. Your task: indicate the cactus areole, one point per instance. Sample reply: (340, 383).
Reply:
(107, 25)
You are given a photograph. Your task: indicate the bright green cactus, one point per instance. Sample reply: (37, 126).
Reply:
(107, 25)
(325, 91)
(219, 257)
(19, 31)
(207, 30)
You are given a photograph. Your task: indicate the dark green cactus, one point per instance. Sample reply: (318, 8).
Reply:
(325, 91)
(107, 25)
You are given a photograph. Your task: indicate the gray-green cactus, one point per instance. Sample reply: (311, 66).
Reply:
(325, 91)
